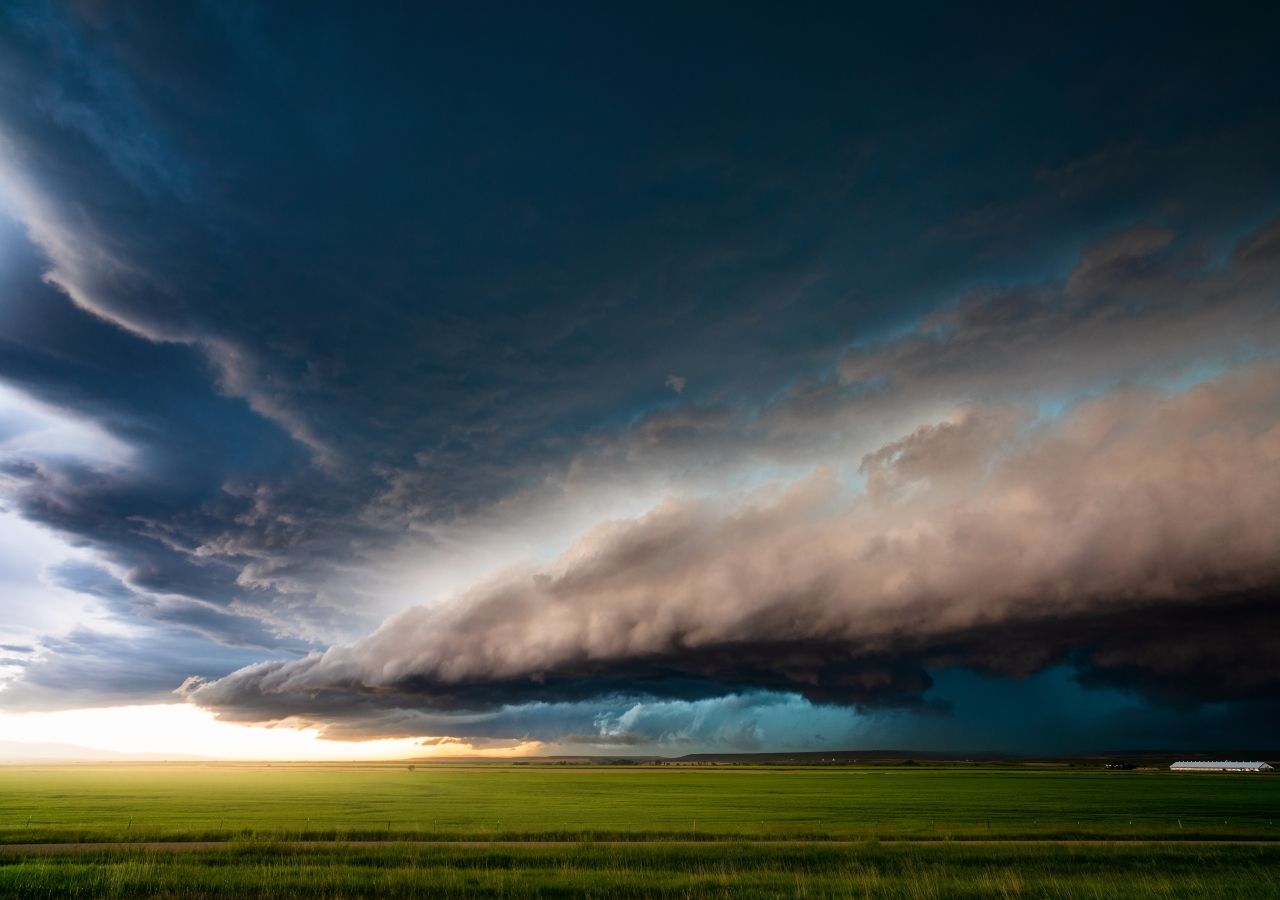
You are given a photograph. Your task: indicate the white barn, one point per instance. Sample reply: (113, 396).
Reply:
(1220, 765)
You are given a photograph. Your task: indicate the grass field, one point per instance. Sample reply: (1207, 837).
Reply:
(857, 831)
(660, 870)
(63, 803)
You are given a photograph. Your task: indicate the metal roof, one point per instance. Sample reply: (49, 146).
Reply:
(1219, 764)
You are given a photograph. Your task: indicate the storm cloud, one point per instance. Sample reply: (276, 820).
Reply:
(455, 373)
(1132, 538)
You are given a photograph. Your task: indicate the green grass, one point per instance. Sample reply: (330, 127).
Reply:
(136, 802)
(659, 870)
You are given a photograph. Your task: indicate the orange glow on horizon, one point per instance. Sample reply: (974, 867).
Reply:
(182, 730)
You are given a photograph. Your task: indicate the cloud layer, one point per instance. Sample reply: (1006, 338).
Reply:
(1133, 538)
(509, 370)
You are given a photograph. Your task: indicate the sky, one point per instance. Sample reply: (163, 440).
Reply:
(638, 379)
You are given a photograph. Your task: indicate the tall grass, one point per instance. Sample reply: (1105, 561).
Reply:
(655, 870)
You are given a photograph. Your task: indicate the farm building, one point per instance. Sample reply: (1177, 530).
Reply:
(1220, 765)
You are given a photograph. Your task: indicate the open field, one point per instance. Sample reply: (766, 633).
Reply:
(188, 802)
(678, 831)
(660, 870)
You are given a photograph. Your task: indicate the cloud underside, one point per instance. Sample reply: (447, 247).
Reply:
(1131, 539)
(313, 351)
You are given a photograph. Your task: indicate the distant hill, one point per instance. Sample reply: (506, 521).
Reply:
(818, 757)
(567, 760)
(806, 757)
(814, 757)
(881, 756)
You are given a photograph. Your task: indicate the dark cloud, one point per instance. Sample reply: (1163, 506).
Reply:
(207, 619)
(1132, 307)
(735, 721)
(1120, 263)
(98, 668)
(1261, 249)
(1115, 539)
(144, 648)
(351, 290)
(1136, 308)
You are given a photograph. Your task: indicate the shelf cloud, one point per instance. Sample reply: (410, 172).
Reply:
(1131, 538)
